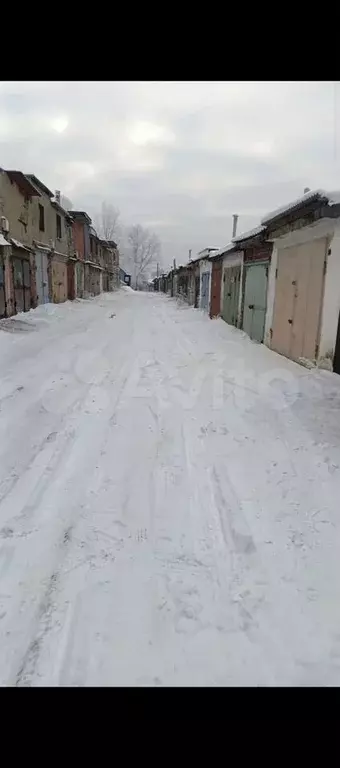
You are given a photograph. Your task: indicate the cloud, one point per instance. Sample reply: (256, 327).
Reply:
(180, 158)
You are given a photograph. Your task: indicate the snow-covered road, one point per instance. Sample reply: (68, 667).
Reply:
(170, 502)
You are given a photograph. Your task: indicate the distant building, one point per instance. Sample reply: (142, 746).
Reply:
(124, 277)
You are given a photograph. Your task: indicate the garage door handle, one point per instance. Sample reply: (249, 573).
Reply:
(250, 306)
(290, 321)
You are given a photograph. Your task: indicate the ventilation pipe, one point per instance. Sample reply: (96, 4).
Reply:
(57, 195)
(235, 218)
(189, 254)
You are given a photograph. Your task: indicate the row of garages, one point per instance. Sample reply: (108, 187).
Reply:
(38, 275)
(280, 283)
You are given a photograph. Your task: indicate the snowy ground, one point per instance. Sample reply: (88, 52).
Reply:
(170, 502)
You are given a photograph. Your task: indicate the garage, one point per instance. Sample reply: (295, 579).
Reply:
(298, 299)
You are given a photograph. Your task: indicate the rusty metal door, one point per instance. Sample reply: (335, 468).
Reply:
(205, 293)
(21, 284)
(2, 287)
(59, 281)
(298, 299)
(197, 291)
(231, 292)
(216, 279)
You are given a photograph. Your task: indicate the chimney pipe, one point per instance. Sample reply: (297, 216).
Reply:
(189, 254)
(235, 218)
(57, 195)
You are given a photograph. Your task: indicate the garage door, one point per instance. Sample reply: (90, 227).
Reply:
(298, 299)
(22, 284)
(255, 300)
(59, 281)
(216, 278)
(205, 291)
(231, 292)
(41, 277)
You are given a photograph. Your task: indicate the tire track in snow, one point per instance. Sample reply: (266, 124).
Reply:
(52, 527)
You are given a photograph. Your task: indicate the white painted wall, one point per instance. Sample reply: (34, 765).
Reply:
(233, 260)
(205, 267)
(270, 295)
(326, 228)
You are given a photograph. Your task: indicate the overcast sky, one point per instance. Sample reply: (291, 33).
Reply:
(177, 157)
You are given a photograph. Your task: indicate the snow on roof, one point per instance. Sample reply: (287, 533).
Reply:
(206, 250)
(18, 244)
(3, 240)
(205, 253)
(333, 197)
(316, 194)
(221, 251)
(248, 234)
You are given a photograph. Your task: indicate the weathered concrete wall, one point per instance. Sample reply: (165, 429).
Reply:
(17, 209)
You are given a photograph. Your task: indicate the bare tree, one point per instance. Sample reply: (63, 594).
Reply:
(107, 222)
(145, 249)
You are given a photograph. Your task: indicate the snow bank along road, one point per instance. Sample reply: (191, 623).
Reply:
(169, 502)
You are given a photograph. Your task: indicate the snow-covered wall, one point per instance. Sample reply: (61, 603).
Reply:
(270, 295)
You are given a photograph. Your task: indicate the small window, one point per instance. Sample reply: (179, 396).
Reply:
(41, 218)
(58, 227)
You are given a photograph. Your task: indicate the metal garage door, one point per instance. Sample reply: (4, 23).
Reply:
(216, 279)
(298, 299)
(22, 284)
(205, 291)
(231, 292)
(41, 277)
(255, 300)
